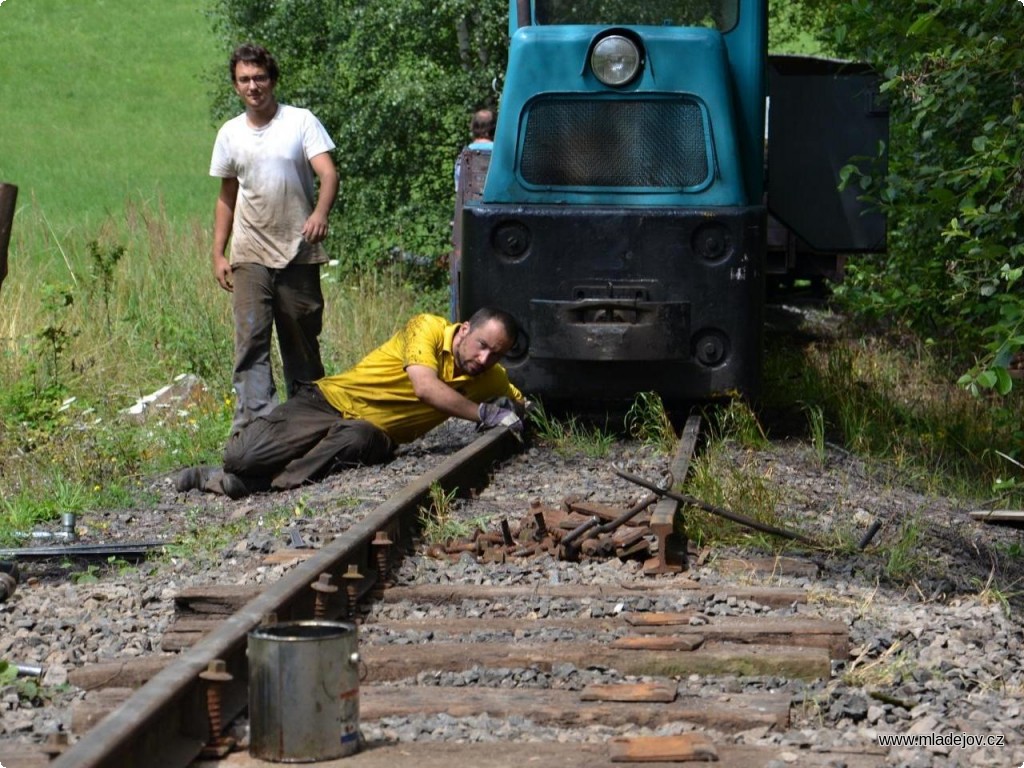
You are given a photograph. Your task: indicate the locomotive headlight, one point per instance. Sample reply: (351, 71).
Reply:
(615, 60)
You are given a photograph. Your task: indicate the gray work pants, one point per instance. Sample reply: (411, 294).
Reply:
(291, 301)
(304, 438)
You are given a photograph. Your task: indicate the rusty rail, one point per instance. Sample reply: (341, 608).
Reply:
(671, 557)
(166, 723)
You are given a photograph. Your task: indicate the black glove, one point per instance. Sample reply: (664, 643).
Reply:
(497, 414)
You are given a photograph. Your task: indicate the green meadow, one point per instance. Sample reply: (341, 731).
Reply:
(106, 130)
(105, 101)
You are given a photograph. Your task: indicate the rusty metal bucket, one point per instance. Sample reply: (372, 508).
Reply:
(303, 691)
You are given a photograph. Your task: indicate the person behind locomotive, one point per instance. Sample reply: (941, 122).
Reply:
(481, 128)
(266, 159)
(430, 370)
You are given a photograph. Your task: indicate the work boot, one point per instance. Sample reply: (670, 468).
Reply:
(192, 478)
(233, 486)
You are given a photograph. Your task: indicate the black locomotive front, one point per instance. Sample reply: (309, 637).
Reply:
(614, 301)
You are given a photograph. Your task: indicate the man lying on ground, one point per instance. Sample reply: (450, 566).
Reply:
(426, 372)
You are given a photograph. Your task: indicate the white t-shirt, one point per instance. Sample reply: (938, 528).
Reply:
(276, 185)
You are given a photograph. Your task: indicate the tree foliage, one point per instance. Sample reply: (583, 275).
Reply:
(954, 75)
(395, 83)
(798, 27)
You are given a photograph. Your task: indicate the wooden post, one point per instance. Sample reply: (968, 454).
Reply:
(8, 196)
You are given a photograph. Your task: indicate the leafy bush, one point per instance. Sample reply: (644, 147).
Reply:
(952, 72)
(394, 82)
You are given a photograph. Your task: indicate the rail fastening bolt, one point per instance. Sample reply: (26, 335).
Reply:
(323, 588)
(352, 578)
(382, 545)
(216, 675)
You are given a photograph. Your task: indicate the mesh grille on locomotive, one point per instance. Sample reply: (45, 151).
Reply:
(623, 143)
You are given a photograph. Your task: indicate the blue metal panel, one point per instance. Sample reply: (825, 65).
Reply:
(747, 44)
(552, 61)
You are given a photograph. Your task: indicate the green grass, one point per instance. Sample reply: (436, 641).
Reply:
(648, 421)
(105, 101)
(892, 399)
(199, 540)
(904, 557)
(886, 400)
(570, 435)
(83, 335)
(716, 479)
(439, 522)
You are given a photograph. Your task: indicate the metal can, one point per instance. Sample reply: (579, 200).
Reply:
(303, 691)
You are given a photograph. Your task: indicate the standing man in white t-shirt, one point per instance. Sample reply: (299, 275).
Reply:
(268, 208)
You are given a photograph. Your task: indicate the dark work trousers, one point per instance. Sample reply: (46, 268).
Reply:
(304, 438)
(291, 301)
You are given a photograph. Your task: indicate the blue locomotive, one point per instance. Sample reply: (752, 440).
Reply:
(637, 203)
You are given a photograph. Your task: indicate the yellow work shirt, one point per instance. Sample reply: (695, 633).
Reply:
(379, 390)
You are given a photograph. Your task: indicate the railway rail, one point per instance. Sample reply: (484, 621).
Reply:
(610, 663)
(166, 723)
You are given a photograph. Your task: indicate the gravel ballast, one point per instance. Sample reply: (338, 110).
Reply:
(937, 653)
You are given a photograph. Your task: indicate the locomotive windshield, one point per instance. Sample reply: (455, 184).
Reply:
(716, 14)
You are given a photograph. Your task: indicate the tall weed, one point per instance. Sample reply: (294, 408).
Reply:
(648, 421)
(893, 398)
(570, 435)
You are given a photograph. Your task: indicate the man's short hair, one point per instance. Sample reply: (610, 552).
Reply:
(482, 124)
(483, 315)
(256, 55)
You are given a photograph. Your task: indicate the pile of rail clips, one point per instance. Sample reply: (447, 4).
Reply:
(585, 529)
(578, 529)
